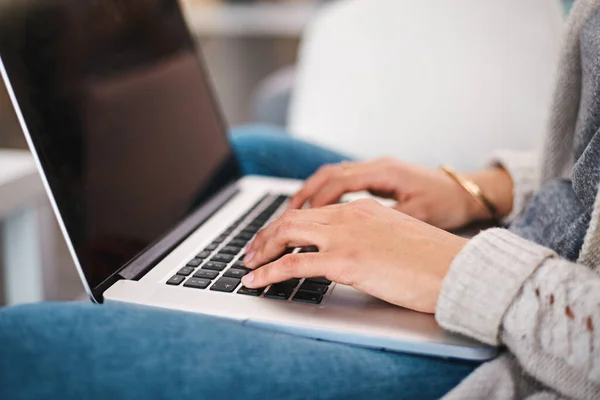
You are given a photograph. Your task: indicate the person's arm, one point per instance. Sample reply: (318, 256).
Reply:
(429, 195)
(497, 185)
(510, 198)
(502, 289)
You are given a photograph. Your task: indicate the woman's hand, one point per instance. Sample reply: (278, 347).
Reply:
(363, 244)
(426, 194)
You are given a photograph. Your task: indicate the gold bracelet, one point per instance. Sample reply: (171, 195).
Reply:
(473, 189)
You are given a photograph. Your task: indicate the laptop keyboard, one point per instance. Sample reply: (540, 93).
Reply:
(219, 267)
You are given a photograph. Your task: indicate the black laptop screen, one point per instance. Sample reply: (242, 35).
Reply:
(121, 115)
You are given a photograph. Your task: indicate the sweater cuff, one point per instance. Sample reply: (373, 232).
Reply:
(483, 280)
(523, 168)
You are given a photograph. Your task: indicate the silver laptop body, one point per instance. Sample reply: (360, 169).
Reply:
(120, 117)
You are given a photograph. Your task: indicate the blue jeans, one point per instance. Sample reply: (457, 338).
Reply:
(78, 350)
(85, 351)
(270, 151)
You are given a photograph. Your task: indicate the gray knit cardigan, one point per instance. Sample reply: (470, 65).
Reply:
(504, 290)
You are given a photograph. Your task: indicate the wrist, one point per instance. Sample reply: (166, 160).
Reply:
(454, 245)
(497, 186)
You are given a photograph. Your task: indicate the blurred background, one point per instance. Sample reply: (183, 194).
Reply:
(291, 63)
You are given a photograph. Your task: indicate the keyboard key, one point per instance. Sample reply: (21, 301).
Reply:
(211, 247)
(230, 250)
(269, 211)
(225, 258)
(235, 273)
(320, 280)
(308, 297)
(221, 239)
(236, 223)
(204, 254)
(237, 243)
(238, 240)
(264, 217)
(194, 263)
(309, 249)
(251, 292)
(175, 280)
(244, 236)
(240, 264)
(255, 226)
(197, 283)
(225, 285)
(290, 282)
(314, 287)
(281, 292)
(260, 221)
(206, 274)
(185, 271)
(214, 266)
(250, 231)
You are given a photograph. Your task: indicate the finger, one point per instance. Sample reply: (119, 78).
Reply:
(319, 216)
(336, 188)
(311, 185)
(283, 235)
(320, 179)
(304, 265)
(369, 176)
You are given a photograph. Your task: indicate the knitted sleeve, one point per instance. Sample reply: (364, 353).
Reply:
(524, 170)
(502, 289)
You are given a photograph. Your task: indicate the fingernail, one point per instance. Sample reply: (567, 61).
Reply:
(247, 279)
(249, 257)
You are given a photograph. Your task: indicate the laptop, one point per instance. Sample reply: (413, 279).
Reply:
(120, 116)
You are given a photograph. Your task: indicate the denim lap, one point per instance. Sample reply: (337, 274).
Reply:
(116, 351)
(271, 151)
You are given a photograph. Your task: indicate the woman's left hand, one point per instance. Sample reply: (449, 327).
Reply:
(363, 244)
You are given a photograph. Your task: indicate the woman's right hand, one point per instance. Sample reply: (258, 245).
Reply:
(426, 194)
